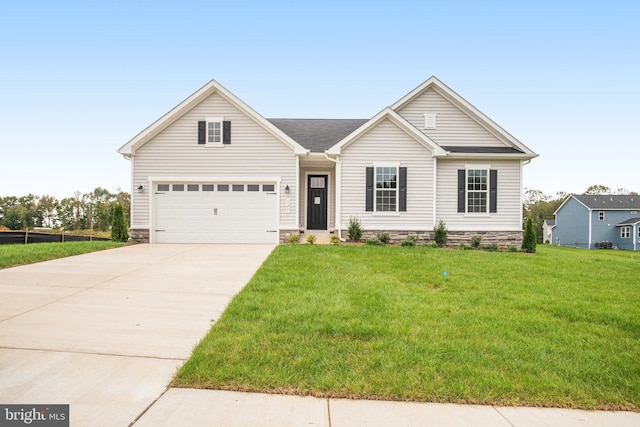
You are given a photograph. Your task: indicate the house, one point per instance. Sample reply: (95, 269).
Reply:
(598, 221)
(547, 227)
(214, 170)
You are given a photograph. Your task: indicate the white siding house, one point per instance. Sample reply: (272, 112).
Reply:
(214, 170)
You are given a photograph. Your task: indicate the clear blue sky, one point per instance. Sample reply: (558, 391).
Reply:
(78, 79)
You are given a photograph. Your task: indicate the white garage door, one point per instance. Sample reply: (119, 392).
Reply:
(215, 213)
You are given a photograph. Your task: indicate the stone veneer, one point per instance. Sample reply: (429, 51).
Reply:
(503, 239)
(139, 235)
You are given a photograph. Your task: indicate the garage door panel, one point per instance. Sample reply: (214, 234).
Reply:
(216, 216)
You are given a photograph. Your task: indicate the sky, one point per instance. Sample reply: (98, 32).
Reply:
(79, 79)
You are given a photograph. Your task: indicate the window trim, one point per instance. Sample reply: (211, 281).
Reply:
(486, 191)
(396, 166)
(208, 121)
(625, 232)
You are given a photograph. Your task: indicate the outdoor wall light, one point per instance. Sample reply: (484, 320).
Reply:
(140, 189)
(286, 189)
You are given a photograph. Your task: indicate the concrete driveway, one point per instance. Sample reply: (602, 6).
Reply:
(105, 332)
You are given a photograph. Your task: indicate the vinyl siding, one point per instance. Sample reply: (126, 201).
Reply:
(454, 127)
(507, 217)
(387, 144)
(175, 152)
(572, 225)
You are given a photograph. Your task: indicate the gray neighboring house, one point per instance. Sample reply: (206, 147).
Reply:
(598, 221)
(213, 170)
(547, 228)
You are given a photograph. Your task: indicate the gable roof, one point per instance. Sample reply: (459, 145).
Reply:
(128, 149)
(608, 201)
(317, 135)
(550, 222)
(399, 121)
(471, 111)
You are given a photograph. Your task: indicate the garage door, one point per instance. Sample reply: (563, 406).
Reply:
(215, 213)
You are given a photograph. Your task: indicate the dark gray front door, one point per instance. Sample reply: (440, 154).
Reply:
(317, 202)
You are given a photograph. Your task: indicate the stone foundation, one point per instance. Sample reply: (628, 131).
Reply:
(503, 239)
(285, 234)
(139, 235)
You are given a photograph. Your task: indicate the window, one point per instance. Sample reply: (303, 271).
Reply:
(253, 187)
(193, 187)
(477, 190)
(178, 187)
(625, 232)
(163, 187)
(601, 216)
(237, 187)
(214, 131)
(268, 187)
(386, 189)
(223, 187)
(207, 187)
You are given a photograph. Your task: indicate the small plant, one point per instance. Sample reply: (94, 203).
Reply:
(311, 239)
(529, 238)
(475, 241)
(440, 234)
(119, 231)
(294, 238)
(512, 248)
(491, 248)
(384, 238)
(462, 246)
(354, 232)
(373, 241)
(410, 241)
(334, 240)
(431, 245)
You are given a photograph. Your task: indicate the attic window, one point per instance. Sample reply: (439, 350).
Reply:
(430, 120)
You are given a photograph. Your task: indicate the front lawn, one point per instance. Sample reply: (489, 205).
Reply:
(17, 254)
(558, 328)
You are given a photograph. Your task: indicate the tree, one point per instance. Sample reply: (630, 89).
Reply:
(529, 238)
(598, 189)
(119, 231)
(440, 234)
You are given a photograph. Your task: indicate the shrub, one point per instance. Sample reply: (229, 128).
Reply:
(440, 234)
(373, 241)
(410, 241)
(512, 248)
(529, 238)
(311, 239)
(491, 248)
(354, 232)
(119, 231)
(334, 240)
(294, 238)
(384, 238)
(431, 245)
(475, 241)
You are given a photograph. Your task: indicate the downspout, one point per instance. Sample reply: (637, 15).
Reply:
(590, 219)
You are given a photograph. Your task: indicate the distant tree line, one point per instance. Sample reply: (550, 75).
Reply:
(81, 212)
(541, 206)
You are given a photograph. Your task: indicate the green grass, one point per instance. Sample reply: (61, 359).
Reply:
(17, 254)
(560, 328)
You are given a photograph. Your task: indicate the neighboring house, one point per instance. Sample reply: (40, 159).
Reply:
(547, 227)
(598, 221)
(214, 170)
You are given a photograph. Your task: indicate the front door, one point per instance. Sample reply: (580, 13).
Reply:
(317, 202)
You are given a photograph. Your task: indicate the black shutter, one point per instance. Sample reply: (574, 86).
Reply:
(202, 132)
(403, 190)
(226, 132)
(462, 186)
(369, 192)
(493, 191)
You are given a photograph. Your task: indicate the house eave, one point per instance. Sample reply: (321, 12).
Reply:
(514, 156)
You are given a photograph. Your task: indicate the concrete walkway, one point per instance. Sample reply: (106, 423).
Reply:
(105, 332)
